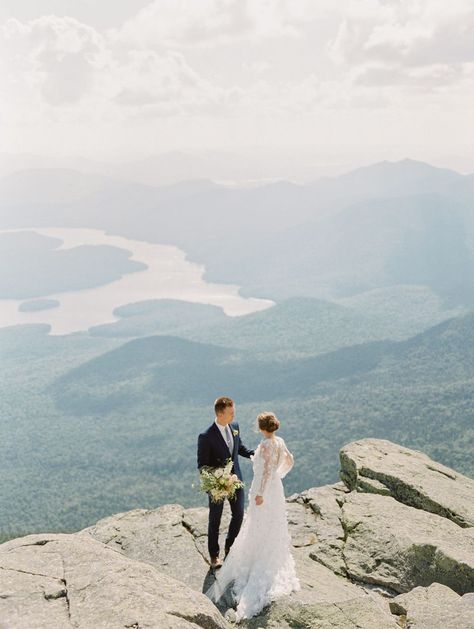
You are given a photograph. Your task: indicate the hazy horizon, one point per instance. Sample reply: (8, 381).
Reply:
(232, 169)
(277, 86)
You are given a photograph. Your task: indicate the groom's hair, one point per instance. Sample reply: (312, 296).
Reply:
(221, 403)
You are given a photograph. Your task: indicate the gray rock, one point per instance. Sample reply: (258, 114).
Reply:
(435, 607)
(62, 581)
(160, 537)
(377, 465)
(325, 504)
(319, 584)
(398, 523)
(357, 613)
(196, 519)
(372, 486)
(400, 547)
(326, 599)
(301, 524)
(174, 540)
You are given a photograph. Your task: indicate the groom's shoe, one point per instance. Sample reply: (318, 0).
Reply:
(216, 563)
(227, 551)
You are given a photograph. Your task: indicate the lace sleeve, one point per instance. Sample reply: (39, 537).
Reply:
(266, 454)
(286, 461)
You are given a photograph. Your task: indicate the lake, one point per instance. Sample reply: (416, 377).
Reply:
(169, 275)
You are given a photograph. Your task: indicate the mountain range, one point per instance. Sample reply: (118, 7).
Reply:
(371, 335)
(390, 224)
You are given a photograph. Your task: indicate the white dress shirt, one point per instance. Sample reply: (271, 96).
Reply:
(224, 436)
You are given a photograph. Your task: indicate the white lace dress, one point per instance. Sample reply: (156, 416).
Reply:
(259, 566)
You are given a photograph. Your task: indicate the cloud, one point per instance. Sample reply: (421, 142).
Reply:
(285, 70)
(69, 66)
(165, 84)
(435, 76)
(407, 33)
(210, 23)
(417, 80)
(59, 56)
(147, 64)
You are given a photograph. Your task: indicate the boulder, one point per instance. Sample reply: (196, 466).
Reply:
(400, 547)
(174, 540)
(324, 503)
(64, 581)
(391, 546)
(357, 613)
(160, 537)
(196, 519)
(409, 476)
(435, 607)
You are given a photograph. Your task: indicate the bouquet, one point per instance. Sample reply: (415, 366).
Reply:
(219, 482)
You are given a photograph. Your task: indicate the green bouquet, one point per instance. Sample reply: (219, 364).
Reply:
(219, 482)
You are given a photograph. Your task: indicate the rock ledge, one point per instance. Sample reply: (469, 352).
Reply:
(391, 546)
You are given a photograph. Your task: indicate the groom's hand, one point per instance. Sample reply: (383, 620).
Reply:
(258, 500)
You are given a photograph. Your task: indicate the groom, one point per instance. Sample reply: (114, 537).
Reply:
(215, 445)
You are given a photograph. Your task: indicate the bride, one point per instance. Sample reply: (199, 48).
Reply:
(259, 567)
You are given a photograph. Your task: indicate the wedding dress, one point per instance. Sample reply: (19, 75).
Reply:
(259, 567)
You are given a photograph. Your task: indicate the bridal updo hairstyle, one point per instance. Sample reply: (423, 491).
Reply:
(268, 421)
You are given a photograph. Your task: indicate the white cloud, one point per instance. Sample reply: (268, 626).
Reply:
(164, 84)
(145, 65)
(238, 70)
(58, 56)
(436, 76)
(409, 33)
(181, 23)
(71, 67)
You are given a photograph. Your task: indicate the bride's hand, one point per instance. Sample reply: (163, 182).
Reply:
(258, 500)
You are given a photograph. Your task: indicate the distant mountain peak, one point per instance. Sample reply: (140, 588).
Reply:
(405, 165)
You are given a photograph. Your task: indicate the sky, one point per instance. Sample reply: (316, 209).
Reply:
(345, 81)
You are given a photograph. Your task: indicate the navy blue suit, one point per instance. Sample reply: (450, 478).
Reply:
(212, 451)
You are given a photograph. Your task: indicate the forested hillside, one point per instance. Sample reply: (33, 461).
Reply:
(94, 426)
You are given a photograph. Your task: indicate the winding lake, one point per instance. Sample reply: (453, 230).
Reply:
(169, 275)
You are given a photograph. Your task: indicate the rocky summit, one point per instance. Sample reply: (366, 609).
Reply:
(391, 545)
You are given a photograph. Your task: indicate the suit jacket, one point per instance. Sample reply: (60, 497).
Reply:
(213, 451)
